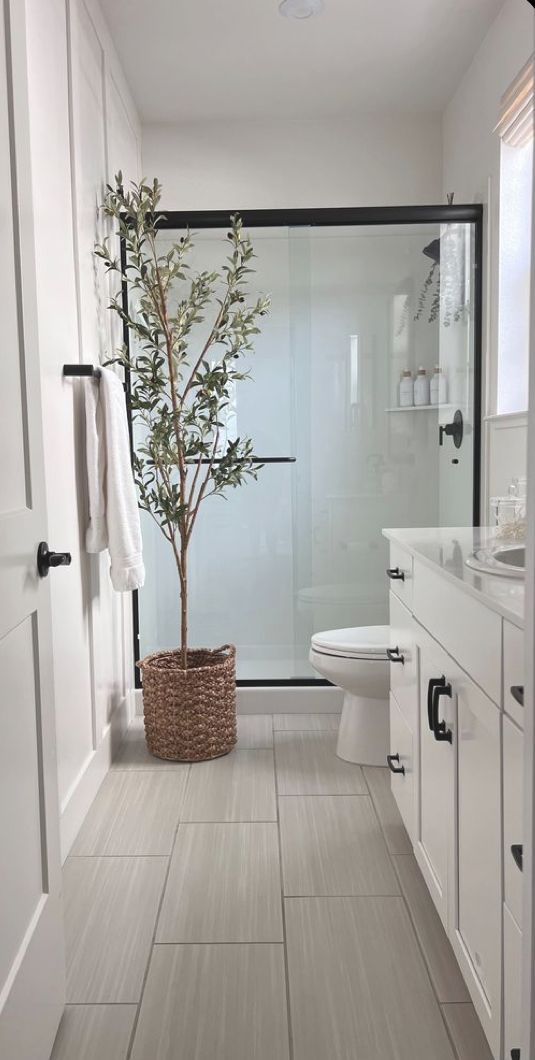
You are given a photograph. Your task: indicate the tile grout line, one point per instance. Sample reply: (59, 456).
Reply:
(283, 910)
(158, 911)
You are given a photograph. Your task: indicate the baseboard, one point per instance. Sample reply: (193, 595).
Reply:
(85, 786)
(280, 700)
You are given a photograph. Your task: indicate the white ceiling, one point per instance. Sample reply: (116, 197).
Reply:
(189, 60)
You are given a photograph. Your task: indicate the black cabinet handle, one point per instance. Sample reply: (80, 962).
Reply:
(394, 769)
(395, 574)
(47, 559)
(395, 655)
(517, 692)
(442, 734)
(517, 850)
(435, 682)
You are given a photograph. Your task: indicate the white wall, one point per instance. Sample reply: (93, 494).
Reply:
(366, 161)
(83, 128)
(471, 153)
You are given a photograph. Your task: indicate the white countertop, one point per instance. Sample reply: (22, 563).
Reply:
(447, 548)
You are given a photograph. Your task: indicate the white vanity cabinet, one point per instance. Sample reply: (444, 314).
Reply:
(463, 799)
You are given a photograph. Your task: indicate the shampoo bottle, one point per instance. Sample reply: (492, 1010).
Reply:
(421, 387)
(406, 389)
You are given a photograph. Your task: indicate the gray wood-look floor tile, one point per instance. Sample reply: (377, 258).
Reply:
(304, 722)
(333, 845)
(223, 885)
(238, 787)
(466, 1032)
(110, 913)
(94, 1032)
(358, 984)
(133, 813)
(214, 1003)
(307, 764)
(443, 968)
(378, 781)
(254, 731)
(132, 752)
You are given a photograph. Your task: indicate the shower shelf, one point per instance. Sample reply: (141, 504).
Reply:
(418, 408)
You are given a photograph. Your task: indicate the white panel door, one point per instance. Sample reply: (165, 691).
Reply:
(31, 933)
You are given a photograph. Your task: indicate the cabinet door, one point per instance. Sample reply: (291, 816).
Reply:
(476, 935)
(402, 765)
(404, 673)
(434, 844)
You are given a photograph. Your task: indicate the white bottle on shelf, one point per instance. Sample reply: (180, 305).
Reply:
(439, 387)
(406, 389)
(421, 387)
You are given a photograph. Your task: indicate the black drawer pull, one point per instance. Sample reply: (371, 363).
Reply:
(395, 574)
(395, 655)
(517, 850)
(435, 682)
(442, 734)
(517, 692)
(394, 769)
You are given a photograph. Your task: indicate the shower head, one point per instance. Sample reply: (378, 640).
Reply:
(432, 250)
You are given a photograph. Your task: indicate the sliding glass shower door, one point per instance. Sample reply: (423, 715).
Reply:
(300, 550)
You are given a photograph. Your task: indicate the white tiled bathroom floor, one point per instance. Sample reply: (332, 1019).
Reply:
(263, 906)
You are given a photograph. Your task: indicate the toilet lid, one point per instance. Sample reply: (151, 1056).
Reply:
(362, 642)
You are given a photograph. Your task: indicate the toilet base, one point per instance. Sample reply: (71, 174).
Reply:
(364, 732)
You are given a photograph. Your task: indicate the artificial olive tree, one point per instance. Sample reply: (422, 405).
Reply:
(182, 370)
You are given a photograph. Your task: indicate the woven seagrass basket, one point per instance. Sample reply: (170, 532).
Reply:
(190, 715)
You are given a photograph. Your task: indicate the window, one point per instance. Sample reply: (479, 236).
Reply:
(516, 176)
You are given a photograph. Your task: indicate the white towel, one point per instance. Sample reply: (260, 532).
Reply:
(113, 509)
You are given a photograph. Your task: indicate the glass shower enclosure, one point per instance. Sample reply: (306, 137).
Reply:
(358, 297)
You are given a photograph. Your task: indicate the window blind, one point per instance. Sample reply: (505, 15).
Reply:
(515, 124)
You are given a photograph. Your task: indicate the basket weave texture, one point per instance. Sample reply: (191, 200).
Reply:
(190, 715)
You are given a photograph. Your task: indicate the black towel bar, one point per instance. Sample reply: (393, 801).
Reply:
(82, 370)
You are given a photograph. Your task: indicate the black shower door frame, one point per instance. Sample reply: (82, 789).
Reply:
(345, 215)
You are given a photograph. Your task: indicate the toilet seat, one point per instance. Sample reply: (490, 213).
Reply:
(362, 642)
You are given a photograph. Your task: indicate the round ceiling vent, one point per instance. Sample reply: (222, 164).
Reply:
(300, 8)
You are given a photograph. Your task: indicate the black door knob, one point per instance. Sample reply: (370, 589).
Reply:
(455, 430)
(47, 559)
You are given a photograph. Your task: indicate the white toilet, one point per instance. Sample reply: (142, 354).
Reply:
(356, 661)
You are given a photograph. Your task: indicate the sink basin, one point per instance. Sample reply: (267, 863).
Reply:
(507, 560)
